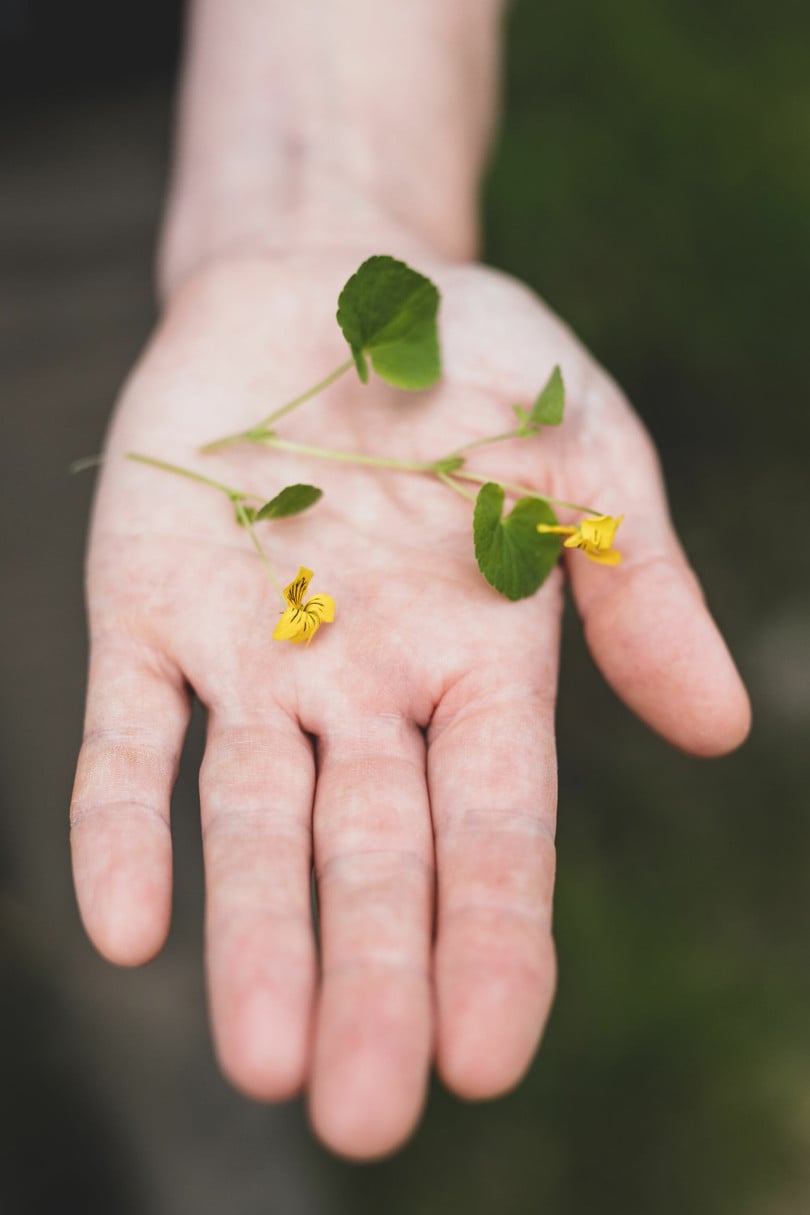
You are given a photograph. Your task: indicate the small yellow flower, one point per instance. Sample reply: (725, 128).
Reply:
(594, 536)
(300, 621)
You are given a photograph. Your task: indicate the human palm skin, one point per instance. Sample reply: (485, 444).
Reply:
(408, 753)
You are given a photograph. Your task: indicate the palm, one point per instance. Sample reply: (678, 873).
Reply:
(401, 727)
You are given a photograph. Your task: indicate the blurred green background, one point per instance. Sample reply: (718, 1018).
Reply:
(652, 182)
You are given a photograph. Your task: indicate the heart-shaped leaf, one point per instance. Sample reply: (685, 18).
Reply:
(290, 501)
(388, 313)
(512, 555)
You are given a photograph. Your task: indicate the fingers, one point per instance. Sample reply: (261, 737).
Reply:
(256, 789)
(492, 780)
(374, 868)
(647, 624)
(136, 718)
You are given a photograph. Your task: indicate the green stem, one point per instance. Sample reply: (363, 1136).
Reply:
(257, 432)
(524, 490)
(263, 555)
(507, 434)
(234, 494)
(244, 436)
(348, 457)
(454, 485)
(85, 462)
(305, 396)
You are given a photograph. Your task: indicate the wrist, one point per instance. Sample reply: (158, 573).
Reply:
(342, 123)
(323, 215)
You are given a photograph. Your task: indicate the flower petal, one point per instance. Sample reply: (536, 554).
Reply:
(600, 530)
(311, 624)
(608, 556)
(290, 625)
(301, 621)
(556, 529)
(294, 593)
(322, 606)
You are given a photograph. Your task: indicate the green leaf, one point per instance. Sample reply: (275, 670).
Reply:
(291, 501)
(549, 407)
(512, 555)
(388, 312)
(449, 464)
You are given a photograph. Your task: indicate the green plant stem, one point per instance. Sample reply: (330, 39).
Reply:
(507, 434)
(263, 555)
(305, 396)
(524, 490)
(234, 494)
(348, 457)
(455, 486)
(257, 433)
(85, 462)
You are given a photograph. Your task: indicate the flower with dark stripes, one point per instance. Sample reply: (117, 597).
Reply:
(301, 620)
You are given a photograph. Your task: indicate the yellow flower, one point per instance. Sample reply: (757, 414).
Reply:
(300, 621)
(594, 536)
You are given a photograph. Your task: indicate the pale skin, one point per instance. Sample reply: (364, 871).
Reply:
(408, 754)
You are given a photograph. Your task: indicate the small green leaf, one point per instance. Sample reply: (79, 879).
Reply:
(549, 407)
(245, 515)
(388, 312)
(291, 501)
(512, 555)
(449, 464)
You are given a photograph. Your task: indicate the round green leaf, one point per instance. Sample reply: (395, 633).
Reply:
(291, 501)
(512, 555)
(388, 312)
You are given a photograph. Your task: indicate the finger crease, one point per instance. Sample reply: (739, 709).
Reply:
(401, 855)
(80, 812)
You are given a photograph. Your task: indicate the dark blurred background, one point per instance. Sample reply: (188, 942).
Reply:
(653, 183)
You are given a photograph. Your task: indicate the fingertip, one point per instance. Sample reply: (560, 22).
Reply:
(372, 1062)
(263, 1057)
(720, 720)
(367, 1124)
(658, 647)
(127, 917)
(488, 1035)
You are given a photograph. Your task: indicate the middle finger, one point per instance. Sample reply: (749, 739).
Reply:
(374, 866)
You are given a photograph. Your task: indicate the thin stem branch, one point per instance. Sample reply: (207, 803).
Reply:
(454, 485)
(256, 434)
(348, 457)
(507, 434)
(233, 494)
(481, 479)
(263, 555)
(244, 436)
(305, 396)
(85, 462)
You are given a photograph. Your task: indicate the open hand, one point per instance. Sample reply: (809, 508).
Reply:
(408, 754)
